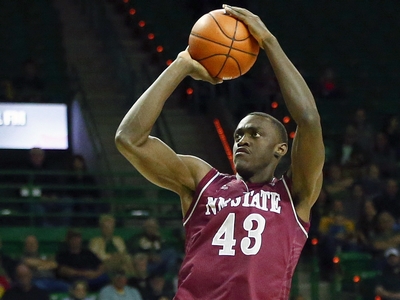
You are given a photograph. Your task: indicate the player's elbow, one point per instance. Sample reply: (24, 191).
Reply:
(128, 141)
(310, 118)
(122, 140)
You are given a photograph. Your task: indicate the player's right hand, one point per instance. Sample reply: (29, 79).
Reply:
(197, 71)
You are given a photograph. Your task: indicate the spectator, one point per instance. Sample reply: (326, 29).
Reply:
(367, 225)
(7, 263)
(388, 286)
(79, 291)
(372, 182)
(158, 289)
(50, 198)
(337, 233)
(79, 263)
(4, 282)
(320, 209)
(387, 235)
(43, 269)
(161, 259)
(23, 288)
(28, 86)
(352, 207)
(110, 248)
(118, 289)
(336, 184)
(384, 155)
(139, 279)
(328, 86)
(349, 154)
(85, 191)
(389, 200)
(391, 128)
(364, 130)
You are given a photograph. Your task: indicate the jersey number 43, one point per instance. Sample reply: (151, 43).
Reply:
(225, 236)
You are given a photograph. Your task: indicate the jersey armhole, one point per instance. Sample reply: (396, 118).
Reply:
(203, 184)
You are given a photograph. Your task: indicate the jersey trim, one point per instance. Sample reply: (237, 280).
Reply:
(199, 196)
(294, 210)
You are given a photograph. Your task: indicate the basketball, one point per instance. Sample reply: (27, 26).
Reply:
(223, 45)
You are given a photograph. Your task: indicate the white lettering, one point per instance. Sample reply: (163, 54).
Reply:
(236, 202)
(211, 205)
(13, 118)
(275, 199)
(255, 201)
(266, 201)
(222, 203)
(247, 198)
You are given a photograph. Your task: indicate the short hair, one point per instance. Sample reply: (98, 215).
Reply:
(72, 233)
(278, 125)
(106, 217)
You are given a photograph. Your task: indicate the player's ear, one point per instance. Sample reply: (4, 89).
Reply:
(280, 150)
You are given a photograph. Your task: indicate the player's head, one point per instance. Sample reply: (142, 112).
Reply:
(260, 141)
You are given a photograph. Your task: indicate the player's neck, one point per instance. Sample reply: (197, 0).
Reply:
(257, 178)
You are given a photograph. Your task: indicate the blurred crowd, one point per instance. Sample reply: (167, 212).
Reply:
(104, 267)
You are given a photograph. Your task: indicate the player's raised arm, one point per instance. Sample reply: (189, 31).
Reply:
(308, 149)
(150, 156)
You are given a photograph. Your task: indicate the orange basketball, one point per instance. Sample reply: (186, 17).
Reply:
(223, 45)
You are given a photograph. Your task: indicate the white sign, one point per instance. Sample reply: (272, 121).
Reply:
(28, 125)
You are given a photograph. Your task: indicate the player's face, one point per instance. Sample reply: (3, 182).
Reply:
(255, 142)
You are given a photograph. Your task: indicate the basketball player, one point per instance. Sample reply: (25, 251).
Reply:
(244, 232)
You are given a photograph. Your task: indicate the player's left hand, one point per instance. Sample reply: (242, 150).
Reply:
(255, 25)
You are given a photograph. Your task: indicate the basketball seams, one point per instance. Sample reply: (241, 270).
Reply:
(229, 51)
(223, 31)
(221, 44)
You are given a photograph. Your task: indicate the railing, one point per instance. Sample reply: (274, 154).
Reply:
(58, 199)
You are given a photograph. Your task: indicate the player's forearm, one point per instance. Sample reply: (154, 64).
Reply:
(138, 122)
(297, 95)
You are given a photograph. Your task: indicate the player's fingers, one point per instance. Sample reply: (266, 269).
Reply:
(236, 11)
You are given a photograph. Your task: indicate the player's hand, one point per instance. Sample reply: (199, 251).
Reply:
(197, 71)
(256, 27)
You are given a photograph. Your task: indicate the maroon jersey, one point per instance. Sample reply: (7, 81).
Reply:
(243, 240)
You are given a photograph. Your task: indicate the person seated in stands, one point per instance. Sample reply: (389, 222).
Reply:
(349, 154)
(43, 268)
(84, 193)
(388, 283)
(161, 258)
(337, 184)
(50, 199)
(5, 281)
(158, 288)
(139, 278)
(23, 288)
(78, 263)
(119, 289)
(79, 291)
(110, 248)
(364, 129)
(387, 236)
(384, 155)
(389, 200)
(337, 233)
(367, 225)
(28, 86)
(372, 181)
(7, 264)
(328, 86)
